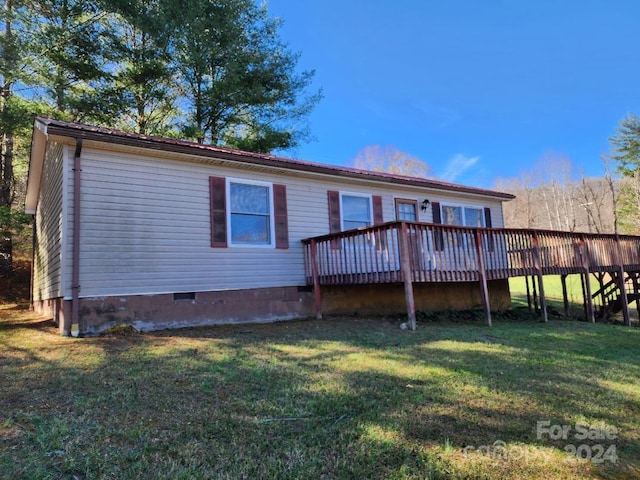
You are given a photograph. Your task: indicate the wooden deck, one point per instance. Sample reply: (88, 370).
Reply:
(421, 252)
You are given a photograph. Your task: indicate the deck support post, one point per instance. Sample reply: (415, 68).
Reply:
(316, 278)
(565, 296)
(584, 296)
(603, 298)
(584, 248)
(636, 289)
(621, 283)
(405, 263)
(538, 268)
(483, 277)
(526, 282)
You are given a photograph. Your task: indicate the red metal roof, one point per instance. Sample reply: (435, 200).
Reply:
(110, 135)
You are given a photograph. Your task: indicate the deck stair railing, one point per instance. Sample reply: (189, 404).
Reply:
(608, 298)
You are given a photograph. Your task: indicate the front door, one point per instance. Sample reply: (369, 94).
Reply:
(407, 211)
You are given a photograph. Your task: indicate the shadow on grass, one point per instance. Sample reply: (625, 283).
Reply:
(341, 398)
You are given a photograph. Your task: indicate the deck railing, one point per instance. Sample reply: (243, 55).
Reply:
(412, 252)
(443, 253)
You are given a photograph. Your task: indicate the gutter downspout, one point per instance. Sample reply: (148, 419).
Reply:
(34, 231)
(75, 266)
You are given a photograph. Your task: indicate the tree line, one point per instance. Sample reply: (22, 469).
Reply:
(214, 71)
(554, 194)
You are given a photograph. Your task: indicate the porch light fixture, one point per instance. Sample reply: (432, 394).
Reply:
(425, 203)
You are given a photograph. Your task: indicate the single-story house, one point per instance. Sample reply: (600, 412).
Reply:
(162, 233)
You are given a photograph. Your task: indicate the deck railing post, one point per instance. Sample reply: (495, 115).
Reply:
(587, 283)
(538, 268)
(316, 278)
(405, 263)
(621, 283)
(483, 277)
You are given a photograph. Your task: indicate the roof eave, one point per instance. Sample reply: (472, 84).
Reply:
(36, 165)
(55, 127)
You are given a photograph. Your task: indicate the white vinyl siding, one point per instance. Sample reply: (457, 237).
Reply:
(48, 251)
(146, 225)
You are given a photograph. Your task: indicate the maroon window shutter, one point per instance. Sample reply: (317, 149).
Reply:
(487, 223)
(438, 239)
(334, 211)
(218, 199)
(376, 201)
(334, 215)
(487, 217)
(281, 220)
(377, 209)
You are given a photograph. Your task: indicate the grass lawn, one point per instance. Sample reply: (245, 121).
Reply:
(349, 398)
(553, 294)
(553, 287)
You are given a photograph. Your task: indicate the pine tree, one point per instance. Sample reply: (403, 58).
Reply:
(241, 87)
(626, 145)
(15, 117)
(75, 59)
(626, 153)
(145, 81)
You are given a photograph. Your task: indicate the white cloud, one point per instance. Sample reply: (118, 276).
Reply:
(457, 165)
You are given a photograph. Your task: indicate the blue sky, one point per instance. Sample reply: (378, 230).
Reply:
(479, 89)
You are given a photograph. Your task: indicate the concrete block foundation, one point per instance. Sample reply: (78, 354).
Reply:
(179, 310)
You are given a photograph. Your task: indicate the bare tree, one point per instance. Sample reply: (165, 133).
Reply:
(377, 158)
(551, 196)
(521, 212)
(598, 197)
(613, 187)
(554, 174)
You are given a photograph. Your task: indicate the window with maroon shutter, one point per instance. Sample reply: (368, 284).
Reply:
(348, 211)
(281, 220)
(218, 200)
(248, 213)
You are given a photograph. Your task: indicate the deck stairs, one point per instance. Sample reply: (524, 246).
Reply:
(607, 298)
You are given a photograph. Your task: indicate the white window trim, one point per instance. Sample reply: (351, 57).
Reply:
(463, 206)
(272, 222)
(355, 194)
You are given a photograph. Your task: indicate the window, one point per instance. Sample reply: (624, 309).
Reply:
(406, 210)
(462, 216)
(356, 211)
(250, 213)
(473, 217)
